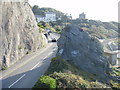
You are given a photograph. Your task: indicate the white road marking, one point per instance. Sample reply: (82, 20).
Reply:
(45, 58)
(30, 59)
(17, 81)
(49, 54)
(35, 66)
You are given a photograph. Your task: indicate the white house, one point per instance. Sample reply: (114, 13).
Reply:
(49, 16)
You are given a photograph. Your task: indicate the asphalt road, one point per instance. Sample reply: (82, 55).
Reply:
(26, 72)
(107, 42)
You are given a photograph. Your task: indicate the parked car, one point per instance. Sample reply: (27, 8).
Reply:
(54, 40)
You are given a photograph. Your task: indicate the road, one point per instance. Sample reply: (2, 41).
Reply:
(26, 72)
(106, 41)
(110, 50)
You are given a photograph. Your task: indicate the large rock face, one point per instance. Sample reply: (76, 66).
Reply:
(18, 31)
(83, 50)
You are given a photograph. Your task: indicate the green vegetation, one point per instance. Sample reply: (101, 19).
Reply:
(63, 73)
(101, 30)
(63, 66)
(116, 71)
(115, 85)
(41, 26)
(54, 28)
(68, 75)
(41, 30)
(66, 80)
(3, 68)
(46, 82)
(41, 11)
(57, 26)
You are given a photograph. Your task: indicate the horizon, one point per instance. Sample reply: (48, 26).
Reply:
(107, 13)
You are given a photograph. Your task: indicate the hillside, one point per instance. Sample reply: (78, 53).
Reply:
(99, 29)
(41, 11)
(80, 63)
(63, 74)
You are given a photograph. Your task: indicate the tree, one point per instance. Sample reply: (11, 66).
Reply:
(35, 7)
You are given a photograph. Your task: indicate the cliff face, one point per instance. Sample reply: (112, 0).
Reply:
(18, 31)
(83, 50)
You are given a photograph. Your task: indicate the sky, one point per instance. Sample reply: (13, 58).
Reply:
(104, 10)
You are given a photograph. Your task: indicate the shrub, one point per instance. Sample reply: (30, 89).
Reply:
(45, 82)
(41, 26)
(115, 84)
(4, 68)
(60, 65)
(66, 80)
(58, 28)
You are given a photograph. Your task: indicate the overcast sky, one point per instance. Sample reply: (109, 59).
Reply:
(104, 10)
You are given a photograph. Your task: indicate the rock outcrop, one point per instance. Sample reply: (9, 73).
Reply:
(18, 31)
(83, 50)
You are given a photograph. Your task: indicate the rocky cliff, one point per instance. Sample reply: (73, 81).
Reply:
(83, 50)
(18, 31)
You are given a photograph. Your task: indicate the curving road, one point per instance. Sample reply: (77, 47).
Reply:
(108, 42)
(26, 72)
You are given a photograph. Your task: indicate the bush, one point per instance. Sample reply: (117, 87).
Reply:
(66, 80)
(64, 74)
(58, 28)
(115, 84)
(60, 65)
(45, 82)
(41, 26)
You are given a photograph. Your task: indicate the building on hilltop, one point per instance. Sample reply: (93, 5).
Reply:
(49, 16)
(82, 16)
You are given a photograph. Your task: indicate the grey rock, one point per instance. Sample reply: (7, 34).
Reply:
(84, 51)
(19, 33)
